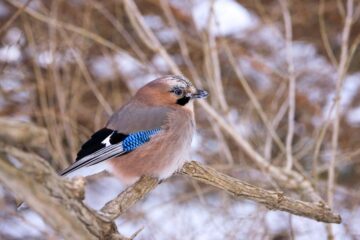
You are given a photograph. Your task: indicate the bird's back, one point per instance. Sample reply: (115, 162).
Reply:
(136, 116)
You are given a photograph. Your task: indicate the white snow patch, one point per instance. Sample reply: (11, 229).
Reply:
(196, 141)
(126, 64)
(14, 36)
(10, 53)
(100, 192)
(353, 116)
(32, 225)
(9, 84)
(166, 35)
(186, 220)
(228, 17)
(45, 58)
(348, 92)
(261, 79)
(102, 67)
(350, 88)
(268, 36)
(154, 22)
(196, 145)
(242, 125)
(160, 63)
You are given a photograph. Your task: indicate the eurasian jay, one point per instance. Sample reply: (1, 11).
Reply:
(149, 135)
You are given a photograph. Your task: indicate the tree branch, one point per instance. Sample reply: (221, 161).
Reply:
(55, 199)
(126, 199)
(271, 199)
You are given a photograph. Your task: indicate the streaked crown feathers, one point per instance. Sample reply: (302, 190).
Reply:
(171, 90)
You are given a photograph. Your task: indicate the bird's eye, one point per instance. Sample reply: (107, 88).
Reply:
(178, 91)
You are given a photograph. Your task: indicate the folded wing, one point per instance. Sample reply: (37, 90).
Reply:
(106, 144)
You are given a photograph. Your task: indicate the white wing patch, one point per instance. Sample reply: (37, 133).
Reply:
(106, 141)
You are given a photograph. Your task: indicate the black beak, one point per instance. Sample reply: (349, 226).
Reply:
(200, 94)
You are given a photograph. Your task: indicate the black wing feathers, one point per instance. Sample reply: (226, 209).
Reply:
(95, 142)
(117, 137)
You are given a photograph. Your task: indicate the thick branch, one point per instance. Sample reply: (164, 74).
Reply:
(55, 199)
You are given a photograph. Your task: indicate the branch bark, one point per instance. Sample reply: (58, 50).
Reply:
(271, 199)
(55, 199)
(126, 199)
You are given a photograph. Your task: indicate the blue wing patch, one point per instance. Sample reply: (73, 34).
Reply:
(135, 140)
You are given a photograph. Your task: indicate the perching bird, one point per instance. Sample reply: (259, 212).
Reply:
(149, 135)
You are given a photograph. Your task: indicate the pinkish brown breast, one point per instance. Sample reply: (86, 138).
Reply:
(163, 154)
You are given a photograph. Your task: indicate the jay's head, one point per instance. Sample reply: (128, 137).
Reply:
(170, 91)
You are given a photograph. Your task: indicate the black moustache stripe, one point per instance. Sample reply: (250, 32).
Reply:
(182, 101)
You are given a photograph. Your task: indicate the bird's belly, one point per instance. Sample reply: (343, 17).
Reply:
(160, 157)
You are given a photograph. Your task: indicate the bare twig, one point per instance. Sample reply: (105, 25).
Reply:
(324, 36)
(165, 5)
(253, 99)
(48, 114)
(289, 179)
(119, 28)
(212, 64)
(339, 83)
(147, 36)
(336, 122)
(72, 28)
(292, 83)
(14, 17)
(99, 96)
